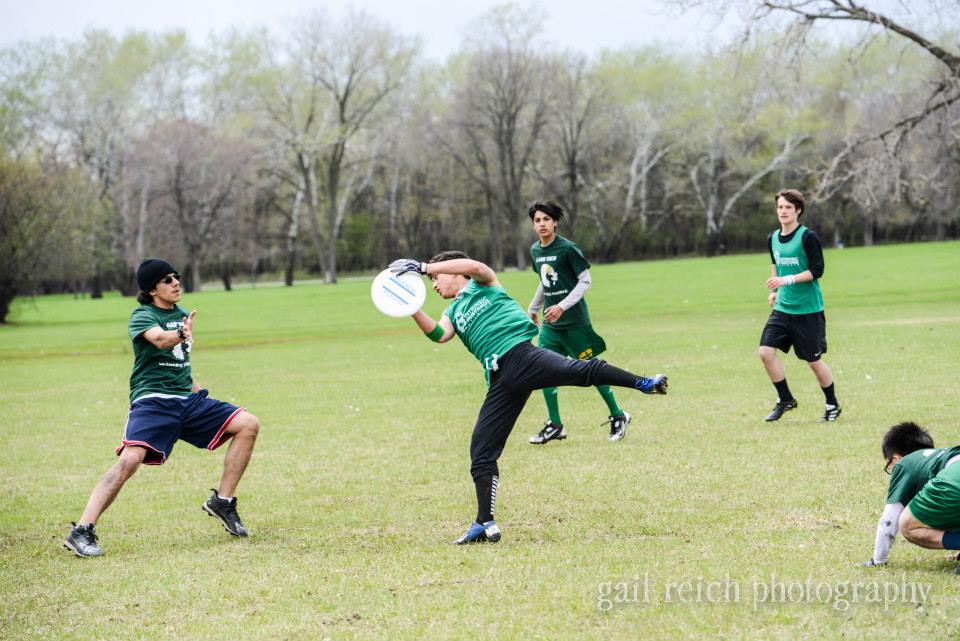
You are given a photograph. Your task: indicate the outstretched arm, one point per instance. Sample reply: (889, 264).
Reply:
(439, 332)
(479, 272)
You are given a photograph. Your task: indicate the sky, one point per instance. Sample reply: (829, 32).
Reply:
(585, 26)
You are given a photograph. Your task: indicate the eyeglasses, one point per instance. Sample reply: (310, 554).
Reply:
(888, 466)
(170, 278)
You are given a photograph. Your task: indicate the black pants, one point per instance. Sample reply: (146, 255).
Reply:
(522, 370)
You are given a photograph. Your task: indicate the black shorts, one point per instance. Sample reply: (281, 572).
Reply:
(807, 333)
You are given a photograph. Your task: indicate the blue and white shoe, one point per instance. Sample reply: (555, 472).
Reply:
(654, 385)
(488, 532)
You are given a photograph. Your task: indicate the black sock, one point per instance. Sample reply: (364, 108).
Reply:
(783, 391)
(612, 375)
(830, 395)
(486, 497)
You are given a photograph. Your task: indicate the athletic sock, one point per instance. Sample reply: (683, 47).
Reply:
(486, 497)
(830, 395)
(951, 540)
(553, 404)
(611, 375)
(607, 393)
(783, 391)
(223, 498)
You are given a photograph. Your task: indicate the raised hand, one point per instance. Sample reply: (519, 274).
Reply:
(403, 265)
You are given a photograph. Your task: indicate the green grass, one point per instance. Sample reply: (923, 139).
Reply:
(360, 477)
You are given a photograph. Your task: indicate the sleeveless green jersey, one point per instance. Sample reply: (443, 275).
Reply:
(791, 259)
(913, 471)
(489, 322)
(558, 265)
(155, 370)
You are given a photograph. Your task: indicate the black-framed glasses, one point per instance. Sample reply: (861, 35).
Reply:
(175, 276)
(887, 468)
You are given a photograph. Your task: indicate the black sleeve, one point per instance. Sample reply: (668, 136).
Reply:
(814, 251)
(770, 248)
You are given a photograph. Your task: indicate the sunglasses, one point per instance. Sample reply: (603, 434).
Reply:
(166, 280)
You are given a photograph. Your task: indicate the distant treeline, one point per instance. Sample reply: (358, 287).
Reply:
(337, 146)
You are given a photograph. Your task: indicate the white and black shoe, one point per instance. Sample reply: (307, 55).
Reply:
(550, 432)
(82, 541)
(618, 426)
(830, 413)
(226, 511)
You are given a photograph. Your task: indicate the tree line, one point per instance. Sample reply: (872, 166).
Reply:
(335, 146)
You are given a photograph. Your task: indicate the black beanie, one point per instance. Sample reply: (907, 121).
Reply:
(151, 271)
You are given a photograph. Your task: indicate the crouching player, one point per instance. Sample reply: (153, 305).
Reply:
(497, 331)
(923, 498)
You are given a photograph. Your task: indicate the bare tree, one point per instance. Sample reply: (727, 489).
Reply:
(354, 65)
(500, 111)
(198, 175)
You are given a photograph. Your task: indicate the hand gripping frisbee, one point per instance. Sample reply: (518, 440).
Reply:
(398, 296)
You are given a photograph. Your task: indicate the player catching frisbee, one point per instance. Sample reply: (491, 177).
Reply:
(497, 331)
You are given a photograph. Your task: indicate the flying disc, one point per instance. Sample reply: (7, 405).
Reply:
(398, 296)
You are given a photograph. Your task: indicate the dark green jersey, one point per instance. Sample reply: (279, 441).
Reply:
(558, 265)
(489, 322)
(155, 370)
(791, 258)
(913, 471)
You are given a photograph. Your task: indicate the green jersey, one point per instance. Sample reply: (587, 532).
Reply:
(558, 265)
(155, 370)
(791, 258)
(913, 471)
(489, 323)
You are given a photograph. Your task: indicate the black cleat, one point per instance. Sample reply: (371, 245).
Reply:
(780, 408)
(226, 511)
(830, 413)
(618, 426)
(82, 540)
(550, 432)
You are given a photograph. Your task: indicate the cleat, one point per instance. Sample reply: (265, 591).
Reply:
(488, 532)
(82, 541)
(618, 426)
(226, 511)
(655, 385)
(550, 432)
(780, 409)
(830, 413)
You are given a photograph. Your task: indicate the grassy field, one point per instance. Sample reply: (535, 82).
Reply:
(360, 478)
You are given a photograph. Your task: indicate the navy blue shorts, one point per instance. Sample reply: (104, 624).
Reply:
(156, 423)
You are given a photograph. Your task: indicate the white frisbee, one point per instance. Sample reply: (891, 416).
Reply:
(398, 296)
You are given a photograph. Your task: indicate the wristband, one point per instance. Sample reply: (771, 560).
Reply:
(435, 334)
(180, 333)
(789, 280)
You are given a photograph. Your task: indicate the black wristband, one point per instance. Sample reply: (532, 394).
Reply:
(180, 334)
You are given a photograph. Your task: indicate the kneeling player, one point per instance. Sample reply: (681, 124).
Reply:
(497, 331)
(923, 498)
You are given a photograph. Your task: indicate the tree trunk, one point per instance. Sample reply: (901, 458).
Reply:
(225, 277)
(868, 231)
(7, 292)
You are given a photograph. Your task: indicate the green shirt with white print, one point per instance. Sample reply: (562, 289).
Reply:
(155, 370)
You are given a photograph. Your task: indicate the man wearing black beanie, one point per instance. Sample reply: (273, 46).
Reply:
(166, 405)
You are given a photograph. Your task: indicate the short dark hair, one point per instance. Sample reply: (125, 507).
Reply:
(144, 298)
(905, 438)
(550, 208)
(451, 254)
(794, 197)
